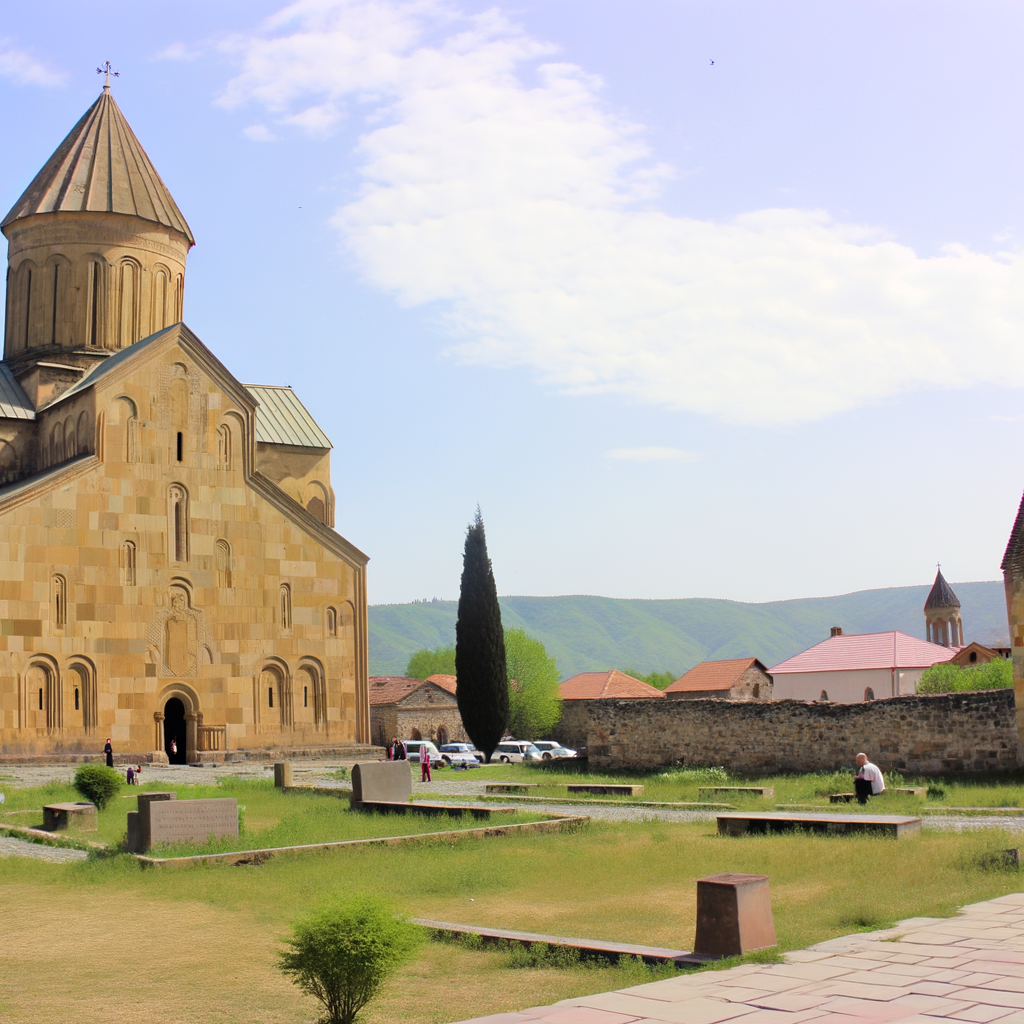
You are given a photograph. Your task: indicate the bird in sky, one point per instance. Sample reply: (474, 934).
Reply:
(711, 61)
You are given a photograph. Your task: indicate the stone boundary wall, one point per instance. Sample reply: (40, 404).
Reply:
(922, 734)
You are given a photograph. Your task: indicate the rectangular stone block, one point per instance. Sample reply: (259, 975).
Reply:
(143, 802)
(734, 915)
(196, 821)
(70, 817)
(381, 782)
(511, 787)
(609, 789)
(710, 792)
(283, 774)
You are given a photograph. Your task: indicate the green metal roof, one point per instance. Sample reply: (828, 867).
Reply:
(282, 419)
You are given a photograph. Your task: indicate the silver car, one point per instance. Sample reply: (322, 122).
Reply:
(512, 751)
(550, 750)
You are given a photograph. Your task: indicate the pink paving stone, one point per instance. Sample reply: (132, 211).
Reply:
(995, 997)
(866, 1009)
(686, 1011)
(935, 988)
(931, 1004)
(501, 1018)
(981, 1014)
(1006, 983)
(780, 1017)
(792, 1001)
(584, 1015)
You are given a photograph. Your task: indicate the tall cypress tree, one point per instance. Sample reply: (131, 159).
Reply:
(482, 690)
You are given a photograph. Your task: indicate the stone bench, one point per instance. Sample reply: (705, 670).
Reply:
(841, 798)
(918, 791)
(894, 825)
(606, 789)
(511, 787)
(763, 791)
(71, 817)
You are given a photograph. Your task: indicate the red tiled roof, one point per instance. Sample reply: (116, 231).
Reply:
(866, 651)
(596, 685)
(713, 675)
(391, 689)
(445, 682)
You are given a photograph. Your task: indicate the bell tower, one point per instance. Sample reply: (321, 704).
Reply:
(942, 621)
(96, 255)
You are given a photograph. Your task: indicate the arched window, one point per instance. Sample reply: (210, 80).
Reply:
(70, 445)
(59, 600)
(224, 446)
(305, 696)
(332, 621)
(757, 691)
(128, 304)
(974, 656)
(158, 309)
(77, 699)
(178, 525)
(95, 301)
(869, 694)
(223, 553)
(27, 300)
(286, 606)
(129, 416)
(82, 678)
(57, 444)
(84, 435)
(128, 576)
(315, 506)
(8, 463)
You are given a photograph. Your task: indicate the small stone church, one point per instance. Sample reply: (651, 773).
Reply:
(169, 572)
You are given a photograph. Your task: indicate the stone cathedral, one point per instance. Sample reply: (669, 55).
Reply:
(169, 572)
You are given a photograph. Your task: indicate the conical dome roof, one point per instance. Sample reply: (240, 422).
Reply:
(941, 595)
(101, 168)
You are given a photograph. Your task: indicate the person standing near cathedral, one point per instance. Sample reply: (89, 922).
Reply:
(108, 750)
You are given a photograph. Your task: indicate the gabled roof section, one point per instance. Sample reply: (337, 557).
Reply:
(866, 651)
(14, 403)
(444, 681)
(101, 167)
(392, 689)
(282, 419)
(606, 685)
(713, 675)
(941, 594)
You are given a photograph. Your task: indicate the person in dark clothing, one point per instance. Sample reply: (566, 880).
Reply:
(401, 754)
(109, 751)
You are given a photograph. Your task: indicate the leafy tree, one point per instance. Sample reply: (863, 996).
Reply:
(535, 704)
(482, 692)
(343, 954)
(947, 678)
(439, 661)
(659, 680)
(98, 783)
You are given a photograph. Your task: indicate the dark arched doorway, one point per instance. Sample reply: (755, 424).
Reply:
(174, 731)
(442, 735)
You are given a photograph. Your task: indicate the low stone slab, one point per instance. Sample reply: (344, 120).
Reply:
(381, 781)
(511, 787)
(711, 791)
(417, 807)
(841, 798)
(918, 791)
(71, 817)
(894, 825)
(195, 821)
(606, 789)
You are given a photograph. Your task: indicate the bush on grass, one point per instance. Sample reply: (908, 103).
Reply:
(948, 678)
(98, 783)
(343, 954)
(712, 776)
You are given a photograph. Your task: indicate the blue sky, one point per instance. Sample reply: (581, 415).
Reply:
(750, 329)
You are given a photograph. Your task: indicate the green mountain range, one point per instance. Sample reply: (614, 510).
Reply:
(596, 633)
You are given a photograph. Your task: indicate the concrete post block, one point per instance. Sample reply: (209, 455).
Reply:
(70, 817)
(381, 782)
(283, 775)
(734, 915)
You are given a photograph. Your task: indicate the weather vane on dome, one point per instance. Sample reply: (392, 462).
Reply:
(106, 68)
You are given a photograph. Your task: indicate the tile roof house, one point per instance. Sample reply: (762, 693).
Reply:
(415, 709)
(606, 685)
(732, 679)
(863, 666)
(978, 654)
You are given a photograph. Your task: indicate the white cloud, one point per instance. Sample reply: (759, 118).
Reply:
(652, 455)
(497, 185)
(179, 51)
(258, 133)
(21, 67)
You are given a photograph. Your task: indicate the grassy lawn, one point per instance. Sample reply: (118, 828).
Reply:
(267, 816)
(683, 785)
(199, 943)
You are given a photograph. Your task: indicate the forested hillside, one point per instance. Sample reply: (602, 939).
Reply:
(586, 633)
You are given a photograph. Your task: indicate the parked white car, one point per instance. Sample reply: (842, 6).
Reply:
(511, 751)
(461, 755)
(549, 749)
(423, 748)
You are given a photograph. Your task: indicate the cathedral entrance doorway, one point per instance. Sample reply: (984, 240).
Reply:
(174, 731)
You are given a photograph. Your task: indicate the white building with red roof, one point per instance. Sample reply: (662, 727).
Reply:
(862, 666)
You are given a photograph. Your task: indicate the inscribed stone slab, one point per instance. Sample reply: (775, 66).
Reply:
(381, 782)
(178, 821)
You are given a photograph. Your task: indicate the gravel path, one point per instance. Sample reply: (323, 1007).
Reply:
(54, 854)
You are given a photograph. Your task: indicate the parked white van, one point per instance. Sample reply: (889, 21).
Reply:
(510, 751)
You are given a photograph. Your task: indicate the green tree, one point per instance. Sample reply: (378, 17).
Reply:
(98, 783)
(424, 664)
(535, 704)
(659, 680)
(482, 692)
(948, 678)
(343, 954)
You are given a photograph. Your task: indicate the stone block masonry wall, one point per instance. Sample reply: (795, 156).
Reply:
(923, 734)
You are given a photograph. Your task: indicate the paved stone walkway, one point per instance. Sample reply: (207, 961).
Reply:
(969, 968)
(10, 847)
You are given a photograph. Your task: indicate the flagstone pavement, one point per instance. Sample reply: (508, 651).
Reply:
(967, 968)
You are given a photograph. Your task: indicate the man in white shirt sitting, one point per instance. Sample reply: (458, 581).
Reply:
(868, 781)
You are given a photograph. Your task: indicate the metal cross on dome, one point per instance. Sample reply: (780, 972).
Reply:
(106, 68)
